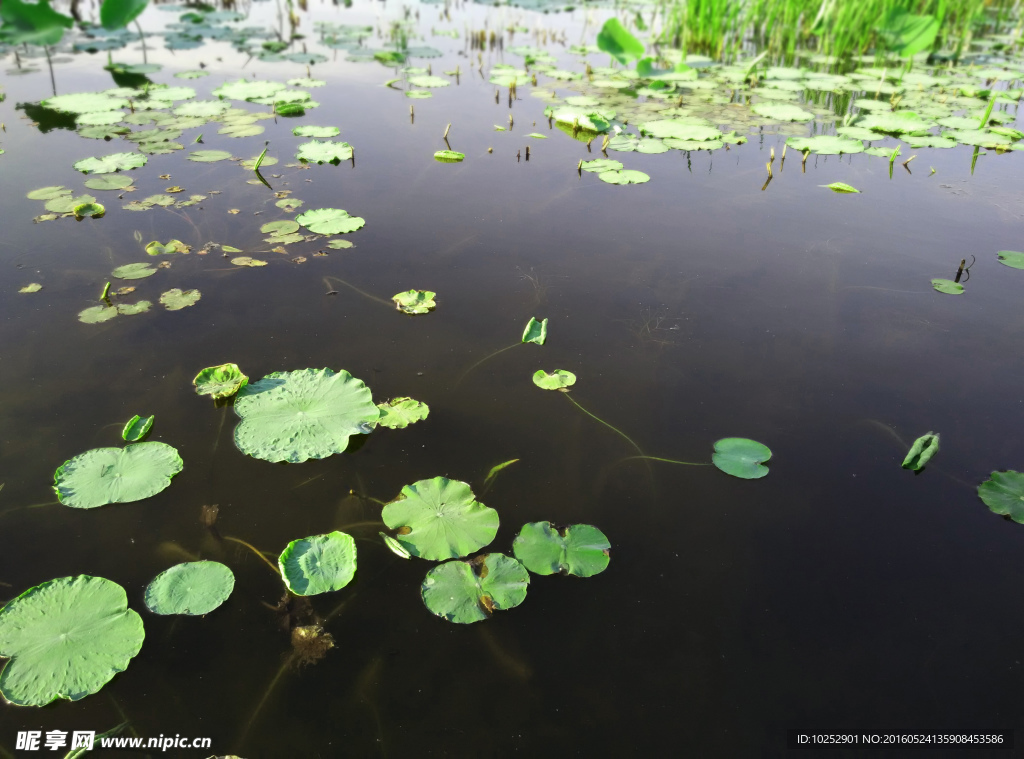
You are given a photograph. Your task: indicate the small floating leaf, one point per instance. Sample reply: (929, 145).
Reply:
(134, 308)
(625, 176)
(156, 248)
(395, 547)
(220, 381)
(415, 301)
(782, 112)
(247, 261)
(32, 287)
(427, 80)
(209, 156)
(1011, 258)
(948, 286)
(137, 428)
(600, 165)
(318, 564)
(921, 452)
(48, 193)
(826, 145)
(282, 227)
(840, 187)
(401, 412)
(324, 152)
(330, 221)
(557, 380)
(108, 164)
(108, 182)
(535, 332)
(66, 638)
(440, 519)
(175, 299)
(580, 549)
(469, 591)
(449, 156)
(134, 271)
(116, 475)
(193, 588)
(741, 457)
(1003, 493)
(97, 314)
(319, 132)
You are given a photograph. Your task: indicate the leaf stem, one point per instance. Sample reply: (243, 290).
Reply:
(328, 280)
(669, 461)
(486, 358)
(255, 551)
(614, 429)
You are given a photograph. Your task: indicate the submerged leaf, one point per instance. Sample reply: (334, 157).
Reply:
(303, 414)
(66, 638)
(535, 332)
(741, 457)
(220, 381)
(580, 549)
(193, 588)
(318, 564)
(1003, 493)
(440, 519)
(401, 412)
(116, 475)
(137, 428)
(469, 591)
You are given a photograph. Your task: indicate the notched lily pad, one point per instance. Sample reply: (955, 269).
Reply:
(557, 380)
(318, 564)
(116, 475)
(330, 221)
(401, 412)
(580, 549)
(470, 591)
(440, 519)
(741, 457)
(193, 588)
(220, 381)
(415, 301)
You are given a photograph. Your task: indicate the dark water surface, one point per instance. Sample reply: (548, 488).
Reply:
(840, 593)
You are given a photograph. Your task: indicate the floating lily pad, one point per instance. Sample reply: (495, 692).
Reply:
(921, 452)
(248, 89)
(49, 193)
(625, 176)
(193, 588)
(209, 156)
(282, 227)
(680, 129)
(948, 286)
(108, 164)
(248, 261)
(395, 547)
(324, 152)
(426, 80)
(66, 638)
(85, 102)
(176, 299)
(580, 549)
(895, 122)
(536, 331)
(1011, 258)
(419, 94)
(470, 591)
(66, 203)
(600, 165)
(92, 210)
(32, 287)
(220, 381)
(826, 145)
(440, 519)
(97, 314)
(1003, 493)
(449, 156)
(156, 248)
(134, 271)
(134, 308)
(137, 428)
(782, 112)
(116, 475)
(318, 564)
(330, 221)
(840, 187)
(401, 412)
(319, 132)
(108, 182)
(741, 457)
(303, 414)
(557, 380)
(415, 301)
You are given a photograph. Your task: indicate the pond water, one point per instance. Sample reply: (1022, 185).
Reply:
(840, 593)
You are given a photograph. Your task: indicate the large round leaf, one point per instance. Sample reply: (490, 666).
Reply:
(1003, 493)
(741, 457)
(111, 163)
(324, 152)
(318, 564)
(66, 639)
(193, 588)
(580, 550)
(440, 519)
(116, 475)
(469, 591)
(330, 221)
(300, 415)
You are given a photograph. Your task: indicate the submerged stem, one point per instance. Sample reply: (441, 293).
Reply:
(255, 551)
(328, 280)
(616, 430)
(668, 461)
(486, 358)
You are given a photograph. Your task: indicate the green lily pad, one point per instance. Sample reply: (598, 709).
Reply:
(680, 129)
(319, 132)
(1011, 258)
(537, 136)
(289, 204)
(97, 314)
(651, 146)
(470, 591)
(826, 145)
(134, 271)
(625, 176)
(449, 156)
(108, 182)
(209, 156)
(948, 286)
(66, 638)
(32, 287)
(324, 152)
(156, 248)
(248, 89)
(782, 112)
(600, 165)
(419, 94)
(66, 203)
(92, 210)
(557, 380)
(282, 227)
(921, 452)
(49, 193)
(741, 457)
(318, 564)
(536, 331)
(85, 102)
(193, 588)
(1003, 493)
(137, 428)
(176, 299)
(220, 381)
(241, 130)
(427, 80)
(895, 122)
(303, 414)
(248, 261)
(134, 308)
(415, 301)
(401, 412)
(580, 549)
(116, 475)
(840, 187)
(330, 221)
(440, 519)
(108, 164)
(340, 244)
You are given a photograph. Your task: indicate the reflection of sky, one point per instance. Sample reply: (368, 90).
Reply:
(691, 308)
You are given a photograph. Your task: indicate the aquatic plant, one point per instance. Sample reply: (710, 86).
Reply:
(318, 564)
(193, 588)
(469, 591)
(116, 475)
(221, 381)
(580, 549)
(137, 428)
(1003, 493)
(922, 451)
